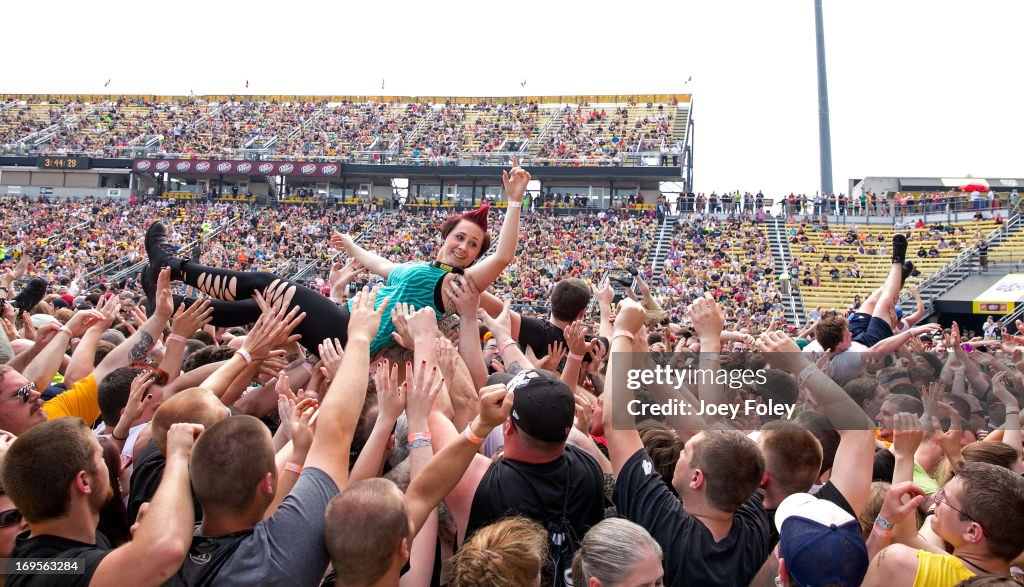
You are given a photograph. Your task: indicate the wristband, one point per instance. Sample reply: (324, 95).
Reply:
(625, 333)
(245, 355)
(67, 330)
(177, 338)
(1012, 409)
(505, 345)
(417, 436)
(512, 204)
(293, 467)
(879, 520)
(473, 437)
(575, 357)
(114, 436)
(881, 532)
(337, 300)
(809, 370)
(419, 443)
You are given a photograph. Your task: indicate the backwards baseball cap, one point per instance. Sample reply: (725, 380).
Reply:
(544, 406)
(820, 542)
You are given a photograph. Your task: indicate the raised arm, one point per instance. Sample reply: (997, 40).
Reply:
(443, 472)
(343, 403)
(487, 270)
(164, 533)
(371, 261)
(622, 443)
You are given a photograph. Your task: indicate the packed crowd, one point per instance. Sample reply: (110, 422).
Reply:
(595, 136)
(412, 132)
(730, 259)
(420, 432)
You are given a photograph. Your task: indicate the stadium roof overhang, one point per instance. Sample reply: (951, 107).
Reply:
(948, 183)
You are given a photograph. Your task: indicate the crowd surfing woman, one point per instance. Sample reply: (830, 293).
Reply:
(420, 284)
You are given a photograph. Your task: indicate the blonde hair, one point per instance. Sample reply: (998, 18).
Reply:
(507, 553)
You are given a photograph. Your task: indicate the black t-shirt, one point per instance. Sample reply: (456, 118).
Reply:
(55, 547)
(146, 476)
(537, 334)
(691, 555)
(570, 487)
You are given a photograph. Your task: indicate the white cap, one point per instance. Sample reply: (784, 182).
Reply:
(807, 506)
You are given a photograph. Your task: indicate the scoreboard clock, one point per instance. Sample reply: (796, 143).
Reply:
(63, 162)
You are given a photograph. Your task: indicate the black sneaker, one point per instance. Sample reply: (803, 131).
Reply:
(148, 282)
(909, 270)
(161, 253)
(30, 295)
(899, 248)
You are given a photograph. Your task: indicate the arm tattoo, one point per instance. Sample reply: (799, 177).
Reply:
(881, 557)
(514, 368)
(141, 348)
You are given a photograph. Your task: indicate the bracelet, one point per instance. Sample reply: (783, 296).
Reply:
(505, 345)
(809, 370)
(67, 330)
(575, 357)
(884, 523)
(512, 204)
(625, 333)
(419, 443)
(293, 467)
(245, 355)
(417, 436)
(473, 437)
(177, 338)
(881, 532)
(1012, 409)
(114, 436)
(709, 357)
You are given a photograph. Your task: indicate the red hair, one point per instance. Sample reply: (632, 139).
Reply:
(477, 217)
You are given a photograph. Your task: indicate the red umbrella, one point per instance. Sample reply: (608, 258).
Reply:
(974, 187)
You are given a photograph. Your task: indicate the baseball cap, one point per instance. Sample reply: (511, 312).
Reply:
(820, 542)
(543, 407)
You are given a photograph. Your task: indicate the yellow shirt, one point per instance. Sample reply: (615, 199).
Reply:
(82, 400)
(939, 570)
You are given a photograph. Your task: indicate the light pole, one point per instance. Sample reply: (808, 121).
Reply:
(824, 134)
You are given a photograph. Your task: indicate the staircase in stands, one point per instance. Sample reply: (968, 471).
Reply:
(793, 303)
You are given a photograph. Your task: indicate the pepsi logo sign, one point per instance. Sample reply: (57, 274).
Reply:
(329, 169)
(183, 166)
(224, 167)
(201, 167)
(244, 168)
(307, 169)
(286, 168)
(142, 165)
(266, 168)
(163, 166)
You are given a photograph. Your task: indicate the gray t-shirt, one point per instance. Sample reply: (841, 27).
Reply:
(287, 549)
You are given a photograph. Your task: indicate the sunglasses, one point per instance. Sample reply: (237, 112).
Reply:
(9, 518)
(25, 391)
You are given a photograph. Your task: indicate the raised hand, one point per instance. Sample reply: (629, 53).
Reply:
(422, 323)
(187, 322)
(401, 334)
(706, 316)
(515, 181)
(426, 384)
(630, 316)
(907, 434)
(390, 396)
(365, 321)
(465, 296)
(551, 361)
(896, 508)
(575, 337)
(495, 405)
(604, 295)
(500, 325)
(330, 354)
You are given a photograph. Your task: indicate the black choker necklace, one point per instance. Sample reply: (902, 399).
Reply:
(982, 569)
(448, 268)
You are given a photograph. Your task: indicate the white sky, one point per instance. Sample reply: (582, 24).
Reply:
(917, 87)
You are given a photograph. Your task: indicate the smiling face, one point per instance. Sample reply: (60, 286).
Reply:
(462, 246)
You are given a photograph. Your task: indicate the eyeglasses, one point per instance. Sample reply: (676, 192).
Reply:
(9, 518)
(25, 391)
(940, 497)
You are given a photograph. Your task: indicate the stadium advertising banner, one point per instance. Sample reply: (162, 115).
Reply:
(225, 167)
(1002, 297)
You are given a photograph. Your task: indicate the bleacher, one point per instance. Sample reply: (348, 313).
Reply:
(839, 293)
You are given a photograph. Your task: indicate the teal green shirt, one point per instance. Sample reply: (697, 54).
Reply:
(413, 283)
